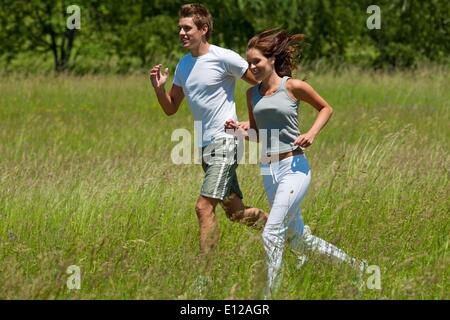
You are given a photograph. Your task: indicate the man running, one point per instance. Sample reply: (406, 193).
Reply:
(207, 77)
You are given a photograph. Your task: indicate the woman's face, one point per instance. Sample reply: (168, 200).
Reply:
(259, 65)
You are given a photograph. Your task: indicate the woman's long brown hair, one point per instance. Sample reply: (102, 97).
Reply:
(279, 44)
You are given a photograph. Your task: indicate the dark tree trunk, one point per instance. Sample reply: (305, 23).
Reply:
(62, 53)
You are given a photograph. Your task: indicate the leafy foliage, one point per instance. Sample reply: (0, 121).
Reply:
(117, 36)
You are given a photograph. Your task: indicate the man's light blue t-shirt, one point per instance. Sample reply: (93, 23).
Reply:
(208, 82)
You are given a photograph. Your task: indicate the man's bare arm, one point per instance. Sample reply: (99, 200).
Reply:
(170, 102)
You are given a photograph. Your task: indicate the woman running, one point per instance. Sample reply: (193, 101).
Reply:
(273, 114)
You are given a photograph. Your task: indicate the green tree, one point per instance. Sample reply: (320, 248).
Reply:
(38, 26)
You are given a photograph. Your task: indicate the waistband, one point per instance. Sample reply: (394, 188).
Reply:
(282, 156)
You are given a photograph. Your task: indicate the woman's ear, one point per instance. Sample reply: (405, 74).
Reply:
(272, 60)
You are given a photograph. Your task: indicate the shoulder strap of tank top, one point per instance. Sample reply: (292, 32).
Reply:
(284, 88)
(254, 94)
(283, 83)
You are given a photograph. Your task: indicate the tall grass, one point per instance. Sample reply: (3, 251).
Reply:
(86, 179)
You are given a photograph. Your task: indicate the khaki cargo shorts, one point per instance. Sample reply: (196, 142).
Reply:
(219, 162)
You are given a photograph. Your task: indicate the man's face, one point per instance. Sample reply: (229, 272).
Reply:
(190, 35)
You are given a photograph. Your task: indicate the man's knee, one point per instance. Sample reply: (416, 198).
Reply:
(204, 208)
(233, 207)
(247, 215)
(238, 215)
(235, 216)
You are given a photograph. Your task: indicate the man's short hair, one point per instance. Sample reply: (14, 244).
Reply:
(200, 16)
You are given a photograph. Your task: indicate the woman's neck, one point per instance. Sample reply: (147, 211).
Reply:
(271, 83)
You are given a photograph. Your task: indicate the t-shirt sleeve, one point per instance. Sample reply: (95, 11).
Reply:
(177, 76)
(235, 64)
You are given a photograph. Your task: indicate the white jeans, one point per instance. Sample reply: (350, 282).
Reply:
(286, 183)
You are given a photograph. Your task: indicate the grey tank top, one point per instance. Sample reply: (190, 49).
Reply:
(276, 117)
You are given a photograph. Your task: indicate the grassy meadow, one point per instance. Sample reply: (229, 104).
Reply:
(86, 179)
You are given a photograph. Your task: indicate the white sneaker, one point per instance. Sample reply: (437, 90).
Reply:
(306, 230)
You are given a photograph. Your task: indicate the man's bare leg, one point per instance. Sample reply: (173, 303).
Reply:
(237, 212)
(209, 230)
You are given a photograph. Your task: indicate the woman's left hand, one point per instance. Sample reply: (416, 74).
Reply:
(244, 125)
(305, 140)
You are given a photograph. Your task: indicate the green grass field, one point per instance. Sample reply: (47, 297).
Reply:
(86, 179)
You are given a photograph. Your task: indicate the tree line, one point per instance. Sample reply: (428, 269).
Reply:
(123, 36)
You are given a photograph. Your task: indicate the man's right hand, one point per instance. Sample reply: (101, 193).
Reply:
(231, 124)
(157, 78)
